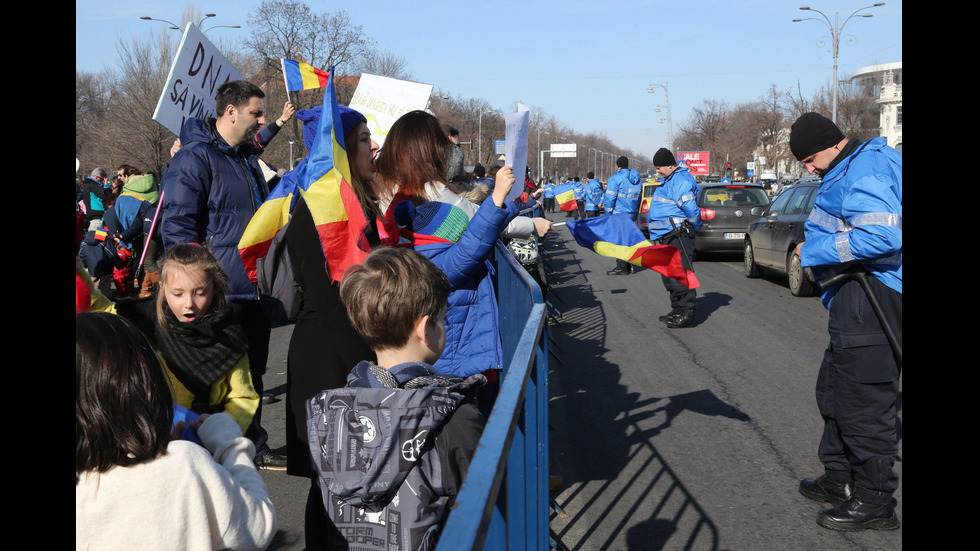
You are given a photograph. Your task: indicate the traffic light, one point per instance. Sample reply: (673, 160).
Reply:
(728, 170)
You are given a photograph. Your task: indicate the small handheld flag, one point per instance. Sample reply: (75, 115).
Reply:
(303, 76)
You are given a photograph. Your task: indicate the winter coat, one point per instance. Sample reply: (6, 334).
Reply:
(857, 217)
(675, 200)
(391, 456)
(211, 192)
(623, 193)
(472, 331)
(593, 195)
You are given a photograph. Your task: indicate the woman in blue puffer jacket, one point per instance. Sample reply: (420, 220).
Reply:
(413, 158)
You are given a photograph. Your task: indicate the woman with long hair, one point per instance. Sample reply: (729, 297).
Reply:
(136, 485)
(418, 171)
(411, 171)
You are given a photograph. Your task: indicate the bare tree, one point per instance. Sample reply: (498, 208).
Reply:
(386, 63)
(134, 137)
(290, 29)
(93, 97)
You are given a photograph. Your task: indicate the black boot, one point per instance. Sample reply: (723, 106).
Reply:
(855, 514)
(682, 319)
(826, 490)
(673, 312)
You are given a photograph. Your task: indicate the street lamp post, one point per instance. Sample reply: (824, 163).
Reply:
(222, 27)
(835, 36)
(175, 27)
(670, 120)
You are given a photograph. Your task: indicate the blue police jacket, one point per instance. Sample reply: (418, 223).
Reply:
(623, 193)
(857, 218)
(675, 200)
(549, 191)
(593, 195)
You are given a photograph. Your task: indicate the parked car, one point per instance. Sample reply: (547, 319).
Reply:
(770, 242)
(649, 186)
(725, 213)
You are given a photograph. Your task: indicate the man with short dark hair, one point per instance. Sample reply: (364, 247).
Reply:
(855, 225)
(673, 219)
(211, 191)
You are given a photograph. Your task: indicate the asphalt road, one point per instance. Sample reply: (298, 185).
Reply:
(666, 439)
(686, 438)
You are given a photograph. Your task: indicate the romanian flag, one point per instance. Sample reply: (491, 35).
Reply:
(565, 196)
(322, 179)
(617, 236)
(101, 233)
(303, 76)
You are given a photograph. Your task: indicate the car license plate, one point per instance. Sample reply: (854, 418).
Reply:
(735, 235)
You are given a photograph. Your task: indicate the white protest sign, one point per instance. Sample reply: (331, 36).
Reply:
(382, 100)
(199, 69)
(516, 149)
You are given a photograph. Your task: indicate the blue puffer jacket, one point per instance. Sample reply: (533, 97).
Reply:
(211, 192)
(857, 217)
(675, 200)
(593, 195)
(472, 332)
(623, 193)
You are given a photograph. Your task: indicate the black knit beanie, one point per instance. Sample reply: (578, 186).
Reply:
(812, 133)
(664, 157)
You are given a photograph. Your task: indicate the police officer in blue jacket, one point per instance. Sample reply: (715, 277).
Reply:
(623, 196)
(673, 218)
(593, 196)
(856, 224)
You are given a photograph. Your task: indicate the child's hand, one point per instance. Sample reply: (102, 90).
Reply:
(504, 181)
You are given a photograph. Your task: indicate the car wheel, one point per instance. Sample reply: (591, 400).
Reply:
(751, 268)
(799, 284)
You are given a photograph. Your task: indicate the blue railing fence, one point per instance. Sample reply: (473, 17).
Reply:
(504, 500)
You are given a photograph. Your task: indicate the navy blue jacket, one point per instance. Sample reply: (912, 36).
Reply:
(210, 194)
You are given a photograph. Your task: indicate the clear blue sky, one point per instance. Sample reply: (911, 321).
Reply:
(587, 62)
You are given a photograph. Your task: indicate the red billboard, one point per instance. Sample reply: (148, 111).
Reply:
(696, 161)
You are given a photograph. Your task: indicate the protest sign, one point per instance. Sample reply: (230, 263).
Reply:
(198, 70)
(516, 149)
(382, 100)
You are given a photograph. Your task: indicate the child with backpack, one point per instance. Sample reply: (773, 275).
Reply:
(392, 448)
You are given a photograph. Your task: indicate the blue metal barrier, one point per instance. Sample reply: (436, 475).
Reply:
(504, 500)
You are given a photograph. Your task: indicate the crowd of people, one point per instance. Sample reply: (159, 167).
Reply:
(169, 377)
(201, 319)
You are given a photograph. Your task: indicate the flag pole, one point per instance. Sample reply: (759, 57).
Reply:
(282, 63)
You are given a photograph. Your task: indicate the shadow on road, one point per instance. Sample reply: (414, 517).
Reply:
(616, 485)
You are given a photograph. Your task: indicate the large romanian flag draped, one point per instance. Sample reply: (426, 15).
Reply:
(303, 76)
(565, 197)
(616, 235)
(323, 181)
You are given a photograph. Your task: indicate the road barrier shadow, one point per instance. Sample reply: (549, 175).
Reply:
(614, 475)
